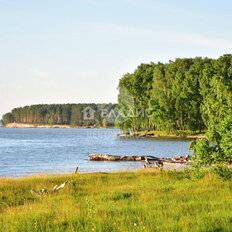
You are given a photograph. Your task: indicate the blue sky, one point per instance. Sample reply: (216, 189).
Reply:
(72, 51)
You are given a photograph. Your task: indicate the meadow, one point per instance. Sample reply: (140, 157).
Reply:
(123, 201)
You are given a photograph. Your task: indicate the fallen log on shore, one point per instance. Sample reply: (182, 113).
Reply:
(177, 160)
(101, 157)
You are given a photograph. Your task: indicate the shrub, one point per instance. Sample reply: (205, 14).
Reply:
(223, 172)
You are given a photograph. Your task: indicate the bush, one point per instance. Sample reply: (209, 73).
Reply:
(206, 153)
(223, 172)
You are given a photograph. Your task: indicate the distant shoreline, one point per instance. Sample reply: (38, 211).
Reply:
(155, 134)
(31, 125)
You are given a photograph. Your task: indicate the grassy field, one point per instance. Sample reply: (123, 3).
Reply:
(123, 201)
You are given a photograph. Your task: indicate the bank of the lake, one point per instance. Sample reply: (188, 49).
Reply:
(34, 125)
(31, 125)
(163, 134)
(121, 201)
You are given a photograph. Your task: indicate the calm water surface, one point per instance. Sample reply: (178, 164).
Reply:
(25, 151)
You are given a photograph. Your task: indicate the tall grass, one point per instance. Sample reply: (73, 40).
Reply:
(123, 201)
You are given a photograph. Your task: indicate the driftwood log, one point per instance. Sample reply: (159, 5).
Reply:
(45, 191)
(177, 160)
(101, 157)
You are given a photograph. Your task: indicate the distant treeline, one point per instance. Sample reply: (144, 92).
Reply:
(185, 94)
(63, 114)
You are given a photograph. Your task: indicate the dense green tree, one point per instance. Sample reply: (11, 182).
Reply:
(216, 89)
(134, 95)
(162, 102)
(185, 94)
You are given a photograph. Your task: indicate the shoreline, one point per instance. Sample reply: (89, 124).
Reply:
(31, 125)
(166, 167)
(156, 134)
(169, 136)
(42, 174)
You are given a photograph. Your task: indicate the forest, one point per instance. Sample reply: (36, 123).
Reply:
(186, 94)
(62, 114)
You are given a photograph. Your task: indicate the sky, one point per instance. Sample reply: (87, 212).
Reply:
(75, 51)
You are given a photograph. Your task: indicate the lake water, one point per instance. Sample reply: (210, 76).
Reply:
(25, 151)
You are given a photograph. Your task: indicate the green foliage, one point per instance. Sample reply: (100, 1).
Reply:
(216, 89)
(223, 172)
(205, 153)
(196, 170)
(225, 131)
(76, 116)
(134, 94)
(185, 94)
(58, 114)
(6, 118)
(90, 208)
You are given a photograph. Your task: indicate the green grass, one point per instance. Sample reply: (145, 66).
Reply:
(123, 201)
